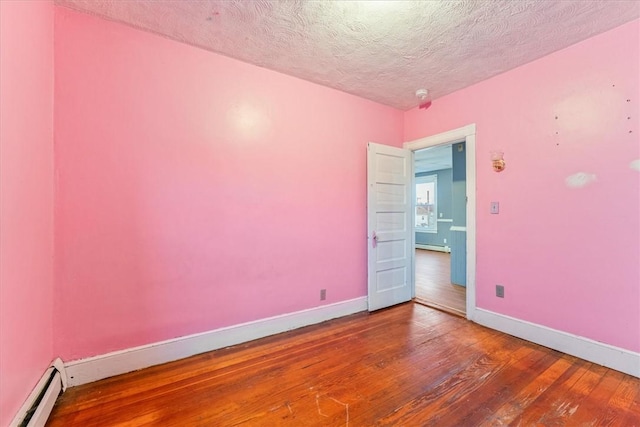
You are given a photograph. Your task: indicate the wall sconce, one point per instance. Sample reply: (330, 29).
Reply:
(497, 159)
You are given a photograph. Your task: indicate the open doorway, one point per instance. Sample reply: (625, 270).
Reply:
(460, 247)
(440, 222)
(390, 222)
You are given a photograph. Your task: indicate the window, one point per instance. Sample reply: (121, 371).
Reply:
(426, 204)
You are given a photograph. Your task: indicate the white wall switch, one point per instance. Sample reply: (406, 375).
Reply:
(495, 207)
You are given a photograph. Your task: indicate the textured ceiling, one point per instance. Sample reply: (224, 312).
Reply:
(380, 50)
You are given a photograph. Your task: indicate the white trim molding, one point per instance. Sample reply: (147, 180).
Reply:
(450, 137)
(603, 354)
(458, 228)
(119, 362)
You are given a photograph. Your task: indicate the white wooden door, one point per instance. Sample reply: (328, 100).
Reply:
(389, 210)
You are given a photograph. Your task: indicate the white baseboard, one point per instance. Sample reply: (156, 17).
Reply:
(51, 390)
(603, 354)
(119, 362)
(433, 248)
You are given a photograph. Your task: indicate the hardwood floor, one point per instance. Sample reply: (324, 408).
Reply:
(433, 283)
(409, 365)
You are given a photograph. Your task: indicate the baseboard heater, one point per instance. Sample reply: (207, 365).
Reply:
(434, 248)
(36, 409)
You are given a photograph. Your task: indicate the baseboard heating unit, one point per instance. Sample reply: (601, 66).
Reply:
(36, 409)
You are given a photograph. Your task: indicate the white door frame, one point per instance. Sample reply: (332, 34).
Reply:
(466, 134)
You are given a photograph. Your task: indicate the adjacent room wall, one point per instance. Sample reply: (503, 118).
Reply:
(195, 191)
(26, 199)
(459, 208)
(566, 243)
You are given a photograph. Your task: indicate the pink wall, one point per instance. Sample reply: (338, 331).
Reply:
(26, 199)
(568, 257)
(195, 191)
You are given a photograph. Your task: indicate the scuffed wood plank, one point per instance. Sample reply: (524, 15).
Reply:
(594, 405)
(563, 409)
(621, 408)
(435, 404)
(555, 392)
(501, 388)
(522, 400)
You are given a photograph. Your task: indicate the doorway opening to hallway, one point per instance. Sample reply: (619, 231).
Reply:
(440, 227)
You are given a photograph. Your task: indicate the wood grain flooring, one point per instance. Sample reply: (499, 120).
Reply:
(433, 283)
(409, 365)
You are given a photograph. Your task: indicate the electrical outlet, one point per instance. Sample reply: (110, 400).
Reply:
(445, 240)
(323, 294)
(500, 291)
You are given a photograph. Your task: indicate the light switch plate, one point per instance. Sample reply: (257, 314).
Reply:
(495, 207)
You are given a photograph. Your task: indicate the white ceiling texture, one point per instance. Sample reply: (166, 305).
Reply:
(379, 50)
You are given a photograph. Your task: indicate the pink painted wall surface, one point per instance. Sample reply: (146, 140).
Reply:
(195, 191)
(568, 257)
(26, 199)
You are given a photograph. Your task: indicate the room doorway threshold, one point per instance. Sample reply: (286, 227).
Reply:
(440, 307)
